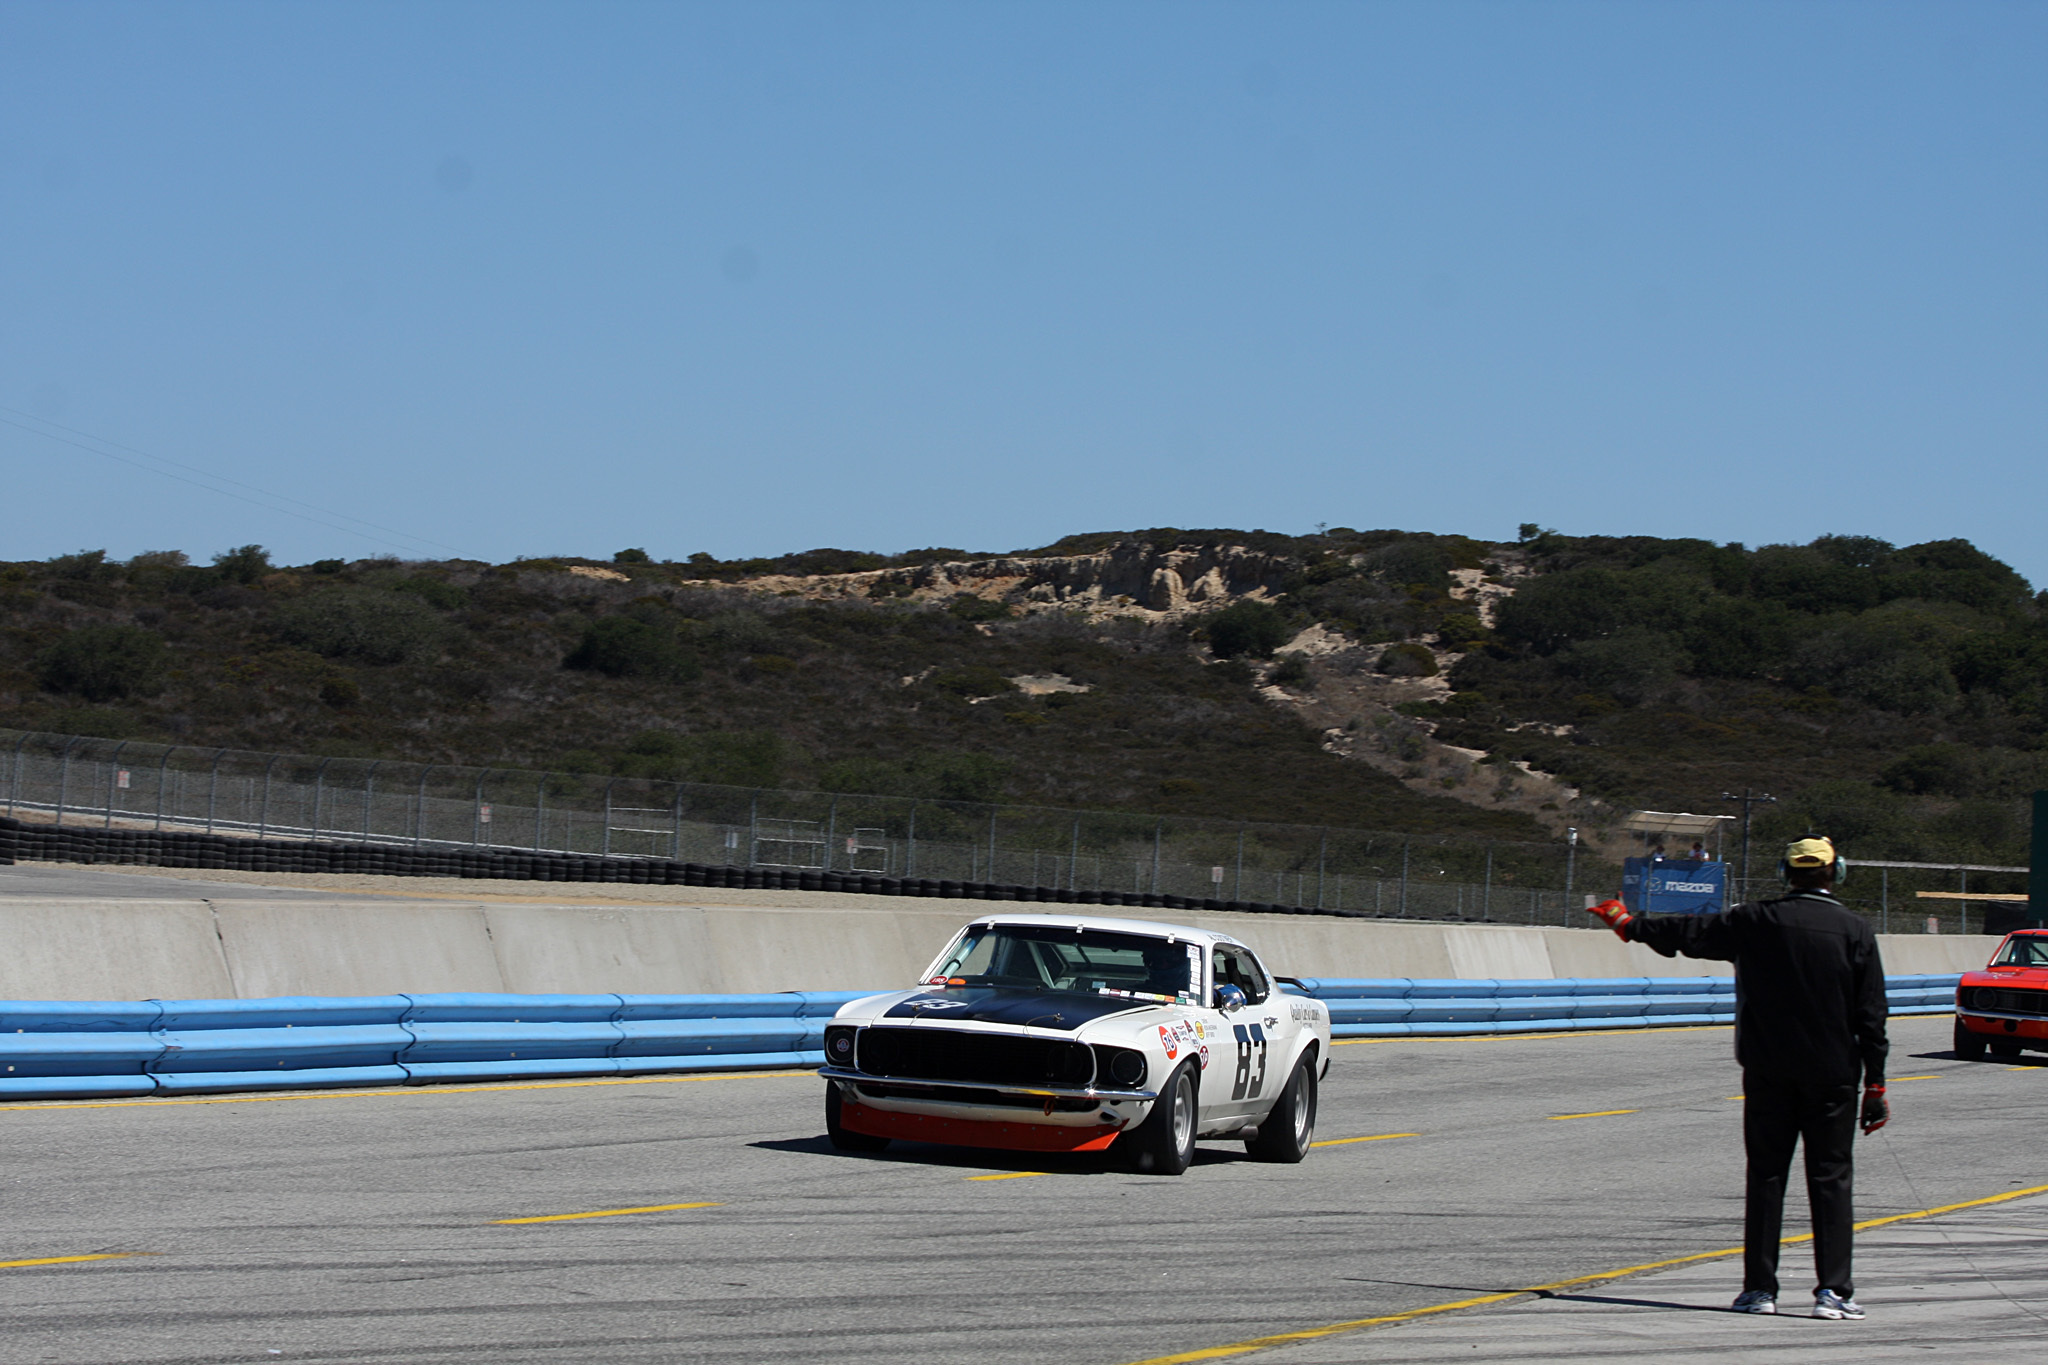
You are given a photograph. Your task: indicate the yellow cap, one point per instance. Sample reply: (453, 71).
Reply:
(1810, 853)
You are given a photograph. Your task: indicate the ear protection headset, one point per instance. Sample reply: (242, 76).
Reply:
(1841, 865)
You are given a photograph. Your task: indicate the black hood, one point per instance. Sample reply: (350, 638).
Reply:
(1062, 1010)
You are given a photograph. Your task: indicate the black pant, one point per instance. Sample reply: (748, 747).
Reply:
(1775, 1115)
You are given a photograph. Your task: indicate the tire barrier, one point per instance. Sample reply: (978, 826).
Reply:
(175, 848)
(80, 1049)
(93, 1049)
(1402, 1007)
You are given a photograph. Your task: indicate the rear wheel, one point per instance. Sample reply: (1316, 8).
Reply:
(1164, 1144)
(842, 1137)
(1285, 1133)
(1969, 1046)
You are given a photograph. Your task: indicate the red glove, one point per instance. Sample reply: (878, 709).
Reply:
(1876, 1113)
(1615, 913)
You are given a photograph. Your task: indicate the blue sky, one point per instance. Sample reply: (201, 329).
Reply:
(562, 278)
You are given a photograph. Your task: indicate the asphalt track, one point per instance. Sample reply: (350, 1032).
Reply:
(719, 1227)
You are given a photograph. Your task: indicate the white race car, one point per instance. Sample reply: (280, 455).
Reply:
(1040, 1033)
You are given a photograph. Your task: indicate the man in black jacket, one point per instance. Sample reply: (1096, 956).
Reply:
(1809, 1026)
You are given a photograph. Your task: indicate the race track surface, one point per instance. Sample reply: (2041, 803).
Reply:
(371, 1225)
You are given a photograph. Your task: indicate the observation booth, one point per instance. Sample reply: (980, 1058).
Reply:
(1658, 883)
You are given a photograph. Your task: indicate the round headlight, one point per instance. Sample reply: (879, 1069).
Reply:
(842, 1046)
(1127, 1068)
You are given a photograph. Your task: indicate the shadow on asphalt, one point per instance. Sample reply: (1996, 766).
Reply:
(901, 1152)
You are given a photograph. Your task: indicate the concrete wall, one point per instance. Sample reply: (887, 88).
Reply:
(197, 949)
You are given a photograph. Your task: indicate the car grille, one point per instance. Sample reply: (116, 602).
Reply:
(933, 1054)
(2006, 1000)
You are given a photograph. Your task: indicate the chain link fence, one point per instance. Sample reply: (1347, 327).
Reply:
(73, 780)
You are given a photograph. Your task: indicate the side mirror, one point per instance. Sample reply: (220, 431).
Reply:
(1230, 999)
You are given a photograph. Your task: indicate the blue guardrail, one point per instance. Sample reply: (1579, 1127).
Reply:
(63, 1049)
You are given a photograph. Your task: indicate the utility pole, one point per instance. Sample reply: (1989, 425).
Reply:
(1748, 800)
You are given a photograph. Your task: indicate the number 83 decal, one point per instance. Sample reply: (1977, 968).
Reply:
(1246, 1084)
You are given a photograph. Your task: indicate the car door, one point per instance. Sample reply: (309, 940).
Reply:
(1255, 1042)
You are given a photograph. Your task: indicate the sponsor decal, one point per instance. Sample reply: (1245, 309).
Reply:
(1305, 1011)
(1181, 1035)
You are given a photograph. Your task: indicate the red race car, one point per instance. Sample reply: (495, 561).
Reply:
(2005, 1007)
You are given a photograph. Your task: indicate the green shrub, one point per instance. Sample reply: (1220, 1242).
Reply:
(104, 663)
(1408, 660)
(628, 647)
(1247, 628)
(968, 607)
(631, 557)
(360, 623)
(1291, 671)
(976, 681)
(243, 564)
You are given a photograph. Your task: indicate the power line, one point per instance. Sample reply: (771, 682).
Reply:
(219, 478)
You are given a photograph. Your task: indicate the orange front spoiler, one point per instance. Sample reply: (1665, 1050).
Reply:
(1009, 1137)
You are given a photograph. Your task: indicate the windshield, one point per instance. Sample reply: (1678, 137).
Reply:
(2028, 951)
(1062, 958)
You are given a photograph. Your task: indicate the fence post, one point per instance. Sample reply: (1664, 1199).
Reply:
(1884, 895)
(753, 824)
(832, 833)
(1322, 860)
(263, 811)
(64, 778)
(675, 837)
(319, 791)
(419, 808)
(991, 876)
(162, 767)
(1158, 836)
(1237, 882)
(213, 787)
(1486, 904)
(1404, 878)
(910, 853)
(604, 845)
(113, 782)
(540, 796)
(369, 795)
(14, 774)
(1074, 859)
(476, 823)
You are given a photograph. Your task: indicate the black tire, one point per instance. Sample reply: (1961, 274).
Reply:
(1164, 1144)
(2001, 1048)
(842, 1137)
(1969, 1046)
(1286, 1132)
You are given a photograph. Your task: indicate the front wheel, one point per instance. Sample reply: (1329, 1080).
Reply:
(1969, 1046)
(1164, 1144)
(2001, 1048)
(1286, 1132)
(842, 1137)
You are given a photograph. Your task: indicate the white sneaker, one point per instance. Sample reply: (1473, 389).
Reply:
(1828, 1304)
(1755, 1301)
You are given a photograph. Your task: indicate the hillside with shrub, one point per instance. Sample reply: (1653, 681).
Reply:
(1893, 696)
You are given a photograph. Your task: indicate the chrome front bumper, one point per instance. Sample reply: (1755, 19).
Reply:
(840, 1073)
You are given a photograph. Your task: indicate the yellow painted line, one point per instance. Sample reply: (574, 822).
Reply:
(71, 1260)
(602, 1213)
(1006, 1175)
(1596, 1114)
(1897, 1079)
(408, 1090)
(1339, 1328)
(1531, 1037)
(1376, 1137)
